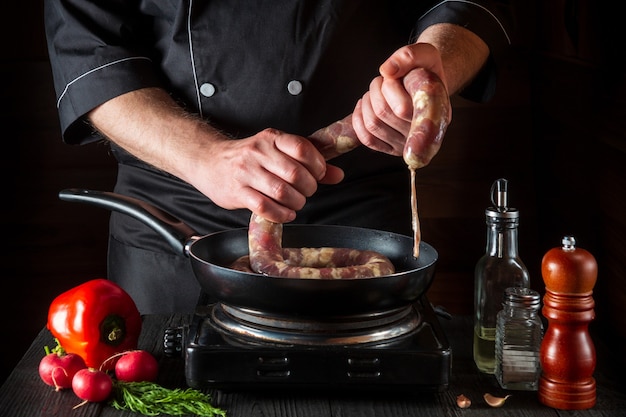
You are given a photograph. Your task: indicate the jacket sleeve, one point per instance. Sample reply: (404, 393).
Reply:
(91, 43)
(491, 21)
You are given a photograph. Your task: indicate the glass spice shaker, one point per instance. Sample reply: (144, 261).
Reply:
(519, 331)
(499, 268)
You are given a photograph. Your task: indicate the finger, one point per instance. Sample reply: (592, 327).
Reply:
(398, 64)
(266, 207)
(262, 166)
(274, 194)
(305, 153)
(408, 57)
(375, 133)
(334, 175)
(287, 187)
(399, 102)
(358, 124)
(392, 103)
(377, 128)
(302, 151)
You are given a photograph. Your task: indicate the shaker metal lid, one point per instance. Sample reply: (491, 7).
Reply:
(522, 297)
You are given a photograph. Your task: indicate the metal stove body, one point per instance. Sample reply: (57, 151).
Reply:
(227, 347)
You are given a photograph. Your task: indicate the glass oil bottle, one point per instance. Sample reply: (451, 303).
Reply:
(498, 269)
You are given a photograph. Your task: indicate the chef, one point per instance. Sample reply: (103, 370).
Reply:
(206, 106)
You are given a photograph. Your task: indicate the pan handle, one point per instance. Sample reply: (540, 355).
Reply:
(177, 233)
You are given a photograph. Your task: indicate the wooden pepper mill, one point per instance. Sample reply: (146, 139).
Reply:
(567, 354)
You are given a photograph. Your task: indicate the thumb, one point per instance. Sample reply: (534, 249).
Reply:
(403, 60)
(334, 175)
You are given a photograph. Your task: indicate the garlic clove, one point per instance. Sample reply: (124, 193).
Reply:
(462, 401)
(494, 401)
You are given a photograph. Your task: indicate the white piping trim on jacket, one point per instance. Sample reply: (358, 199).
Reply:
(193, 64)
(477, 5)
(67, 86)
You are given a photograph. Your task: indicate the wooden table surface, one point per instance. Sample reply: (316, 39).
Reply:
(24, 394)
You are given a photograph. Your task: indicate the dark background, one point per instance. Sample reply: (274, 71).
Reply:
(556, 130)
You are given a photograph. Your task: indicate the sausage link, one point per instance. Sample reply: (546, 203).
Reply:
(431, 117)
(267, 257)
(336, 138)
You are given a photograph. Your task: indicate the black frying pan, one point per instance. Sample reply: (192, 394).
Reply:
(211, 254)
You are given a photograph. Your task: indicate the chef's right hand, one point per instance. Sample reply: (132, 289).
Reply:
(271, 173)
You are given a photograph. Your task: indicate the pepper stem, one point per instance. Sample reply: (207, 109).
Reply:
(113, 330)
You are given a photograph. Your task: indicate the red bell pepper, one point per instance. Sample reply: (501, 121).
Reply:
(95, 320)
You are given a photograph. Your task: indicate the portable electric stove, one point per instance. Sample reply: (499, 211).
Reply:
(228, 347)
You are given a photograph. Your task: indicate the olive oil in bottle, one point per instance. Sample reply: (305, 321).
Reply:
(484, 348)
(499, 268)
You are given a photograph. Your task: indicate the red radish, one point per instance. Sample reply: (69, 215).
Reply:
(58, 368)
(136, 366)
(92, 385)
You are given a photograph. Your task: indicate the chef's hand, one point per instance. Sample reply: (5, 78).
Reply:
(271, 173)
(382, 117)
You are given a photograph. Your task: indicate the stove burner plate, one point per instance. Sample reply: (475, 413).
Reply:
(418, 358)
(257, 327)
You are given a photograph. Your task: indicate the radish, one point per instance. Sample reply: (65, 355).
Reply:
(136, 366)
(92, 385)
(58, 368)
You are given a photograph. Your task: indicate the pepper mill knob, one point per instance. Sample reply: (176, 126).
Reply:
(568, 269)
(567, 354)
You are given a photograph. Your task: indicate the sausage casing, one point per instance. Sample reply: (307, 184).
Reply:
(267, 257)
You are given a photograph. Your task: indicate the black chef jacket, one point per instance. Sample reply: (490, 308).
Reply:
(244, 66)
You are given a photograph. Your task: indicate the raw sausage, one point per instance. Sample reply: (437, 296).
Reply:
(431, 117)
(267, 257)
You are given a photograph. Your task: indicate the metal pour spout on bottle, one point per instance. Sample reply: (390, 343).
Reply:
(498, 269)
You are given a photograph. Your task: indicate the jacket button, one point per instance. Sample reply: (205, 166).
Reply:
(294, 87)
(207, 89)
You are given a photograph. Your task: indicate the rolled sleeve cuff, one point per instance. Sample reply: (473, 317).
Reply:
(96, 86)
(493, 28)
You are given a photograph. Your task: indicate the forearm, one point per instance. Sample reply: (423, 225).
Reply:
(463, 53)
(151, 126)
(270, 173)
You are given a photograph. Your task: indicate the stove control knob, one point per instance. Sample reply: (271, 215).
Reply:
(173, 342)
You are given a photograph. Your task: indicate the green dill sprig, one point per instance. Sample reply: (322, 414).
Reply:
(151, 399)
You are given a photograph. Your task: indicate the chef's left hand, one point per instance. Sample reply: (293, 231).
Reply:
(382, 117)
